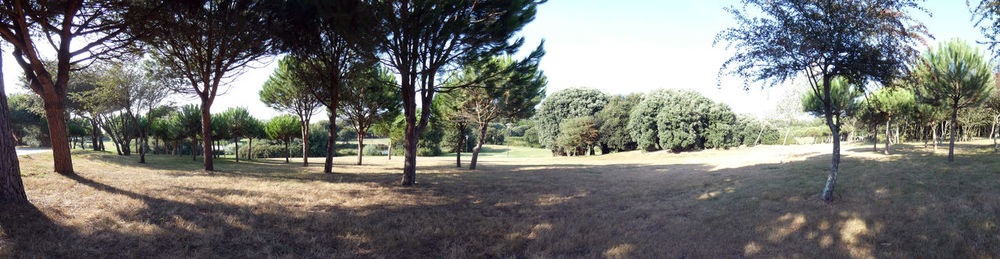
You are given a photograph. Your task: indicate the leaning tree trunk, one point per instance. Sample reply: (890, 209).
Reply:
(331, 143)
(954, 120)
(11, 188)
(479, 145)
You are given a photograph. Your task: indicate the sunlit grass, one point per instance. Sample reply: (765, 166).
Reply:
(755, 202)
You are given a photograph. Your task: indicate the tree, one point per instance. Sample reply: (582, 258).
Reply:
(683, 120)
(577, 136)
(613, 123)
(102, 25)
(956, 76)
(240, 125)
(206, 42)
(424, 37)
(512, 93)
(843, 99)
(11, 188)
(890, 102)
(562, 105)
(642, 118)
(284, 128)
(331, 48)
(286, 91)
(189, 121)
(863, 41)
(370, 98)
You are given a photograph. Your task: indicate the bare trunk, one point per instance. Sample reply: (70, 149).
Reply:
(206, 133)
(410, 154)
(887, 127)
(361, 145)
(237, 142)
(954, 120)
(787, 131)
(479, 145)
(11, 188)
(458, 150)
(761, 132)
(993, 131)
(934, 138)
(331, 143)
(831, 180)
(250, 149)
(288, 152)
(54, 112)
(95, 134)
(305, 143)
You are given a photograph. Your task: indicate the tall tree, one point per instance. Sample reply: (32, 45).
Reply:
(331, 48)
(284, 128)
(287, 91)
(240, 126)
(891, 102)
(512, 93)
(863, 41)
(11, 188)
(207, 42)
(189, 121)
(369, 99)
(613, 121)
(955, 75)
(100, 30)
(425, 37)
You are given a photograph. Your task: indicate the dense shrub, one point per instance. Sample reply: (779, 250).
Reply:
(567, 103)
(577, 136)
(613, 123)
(642, 124)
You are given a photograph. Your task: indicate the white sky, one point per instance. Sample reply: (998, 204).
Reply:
(618, 47)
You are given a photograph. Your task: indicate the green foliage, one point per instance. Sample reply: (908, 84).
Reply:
(27, 119)
(955, 75)
(370, 98)
(843, 99)
(239, 122)
(428, 143)
(613, 121)
(722, 127)
(283, 127)
(286, 91)
(681, 123)
(187, 121)
(577, 135)
(642, 119)
(564, 104)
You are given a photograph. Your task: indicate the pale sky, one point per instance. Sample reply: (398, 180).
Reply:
(619, 47)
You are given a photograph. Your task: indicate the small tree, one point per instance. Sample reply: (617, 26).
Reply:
(642, 118)
(499, 89)
(370, 98)
(188, 122)
(240, 126)
(864, 41)
(562, 105)
(284, 128)
(956, 76)
(578, 135)
(891, 102)
(613, 121)
(286, 91)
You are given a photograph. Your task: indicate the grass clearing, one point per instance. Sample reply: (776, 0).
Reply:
(753, 202)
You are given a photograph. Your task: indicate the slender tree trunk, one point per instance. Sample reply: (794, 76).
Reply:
(361, 145)
(887, 127)
(11, 188)
(761, 132)
(934, 134)
(831, 180)
(993, 131)
(331, 142)
(305, 143)
(237, 153)
(479, 145)
(250, 149)
(95, 134)
(288, 152)
(954, 120)
(458, 151)
(389, 152)
(787, 131)
(194, 152)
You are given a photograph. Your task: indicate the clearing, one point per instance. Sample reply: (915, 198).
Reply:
(754, 202)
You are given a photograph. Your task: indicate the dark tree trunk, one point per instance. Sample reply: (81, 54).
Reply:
(206, 133)
(479, 145)
(194, 152)
(288, 152)
(831, 180)
(887, 127)
(331, 142)
(410, 153)
(237, 142)
(250, 149)
(461, 142)
(94, 132)
(11, 188)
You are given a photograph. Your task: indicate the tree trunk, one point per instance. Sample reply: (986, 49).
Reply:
(206, 133)
(94, 132)
(331, 142)
(305, 143)
(479, 145)
(761, 132)
(55, 110)
(887, 127)
(361, 145)
(954, 120)
(993, 131)
(874, 137)
(458, 151)
(237, 153)
(934, 138)
(11, 188)
(410, 153)
(194, 153)
(288, 152)
(831, 180)
(787, 131)
(389, 152)
(250, 149)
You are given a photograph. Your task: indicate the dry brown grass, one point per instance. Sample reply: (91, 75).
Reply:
(758, 202)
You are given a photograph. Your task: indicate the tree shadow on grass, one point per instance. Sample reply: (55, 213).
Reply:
(905, 205)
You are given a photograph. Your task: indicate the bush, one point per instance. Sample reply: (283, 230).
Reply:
(374, 150)
(568, 103)
(577, 136)
(642, 122)
(613, 123)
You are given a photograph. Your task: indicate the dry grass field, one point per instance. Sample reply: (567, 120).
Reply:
(755, 202)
